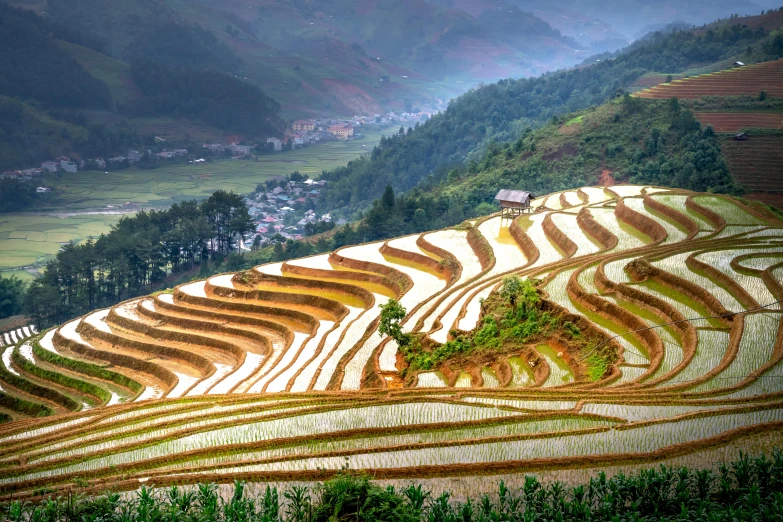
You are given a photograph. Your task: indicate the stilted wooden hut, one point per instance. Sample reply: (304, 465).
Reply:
(514, 202)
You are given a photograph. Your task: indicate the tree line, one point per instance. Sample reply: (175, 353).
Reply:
(137, 256)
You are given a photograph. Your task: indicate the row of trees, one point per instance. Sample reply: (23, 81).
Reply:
(137, 255)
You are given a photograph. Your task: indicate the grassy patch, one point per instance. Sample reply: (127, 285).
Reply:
(513, 318)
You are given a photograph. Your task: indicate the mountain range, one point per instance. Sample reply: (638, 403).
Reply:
(293, 58)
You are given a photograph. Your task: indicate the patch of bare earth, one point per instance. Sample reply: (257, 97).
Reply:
(606, 179)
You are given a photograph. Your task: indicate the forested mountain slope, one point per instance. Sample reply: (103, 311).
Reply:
(627, 140)
(327, 55)
(59, 89)
(502, 111)
(634, 18)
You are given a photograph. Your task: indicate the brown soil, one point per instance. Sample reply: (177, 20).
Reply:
(774, 200)
(606, 179)
(568, 149)
(570, 130)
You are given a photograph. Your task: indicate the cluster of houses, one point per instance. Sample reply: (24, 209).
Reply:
(234, 149)
(308, 132)
(283, 210)
(302, 133)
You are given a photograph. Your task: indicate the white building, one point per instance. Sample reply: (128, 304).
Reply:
(276, 143)
(49, 166)
(68, 166)
(244, 150)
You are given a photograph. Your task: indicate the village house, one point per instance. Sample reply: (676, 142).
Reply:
(241, 150)
(214, 147)
(134, 156)
(303, 126)
(68, 166)
(43, 190)
(23, 175)
(49, 166)
(341, 130)
(277, 145)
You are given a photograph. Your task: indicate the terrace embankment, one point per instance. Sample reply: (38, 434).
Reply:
(565, 338)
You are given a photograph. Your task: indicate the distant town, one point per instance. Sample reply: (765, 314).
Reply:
(302, 133)
(283, 208)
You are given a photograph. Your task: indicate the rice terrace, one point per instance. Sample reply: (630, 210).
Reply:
(610, 328)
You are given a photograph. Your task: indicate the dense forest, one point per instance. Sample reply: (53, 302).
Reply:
(745, 489)
(51, 105)
(29, 135)
(501, 112)
(212, 97)
(16, 195)
(34, 67)
(137, 255)
(11, 296)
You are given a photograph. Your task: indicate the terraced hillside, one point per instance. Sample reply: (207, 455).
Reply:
(751, 79)
(757, 163)
(737, 121)
(661, 336)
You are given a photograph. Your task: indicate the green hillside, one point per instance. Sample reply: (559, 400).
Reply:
(627, 140)
(331, 55)
(114, 73)
(64, 94)
(502, 111)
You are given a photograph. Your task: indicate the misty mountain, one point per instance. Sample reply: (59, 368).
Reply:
(341, 56)
(631, 19)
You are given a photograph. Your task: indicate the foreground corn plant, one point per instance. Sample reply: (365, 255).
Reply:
(750, 488)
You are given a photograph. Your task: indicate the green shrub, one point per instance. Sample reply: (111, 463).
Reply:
(22, 406)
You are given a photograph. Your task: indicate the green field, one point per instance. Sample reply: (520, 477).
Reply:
(27, 239)
(33, 238)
